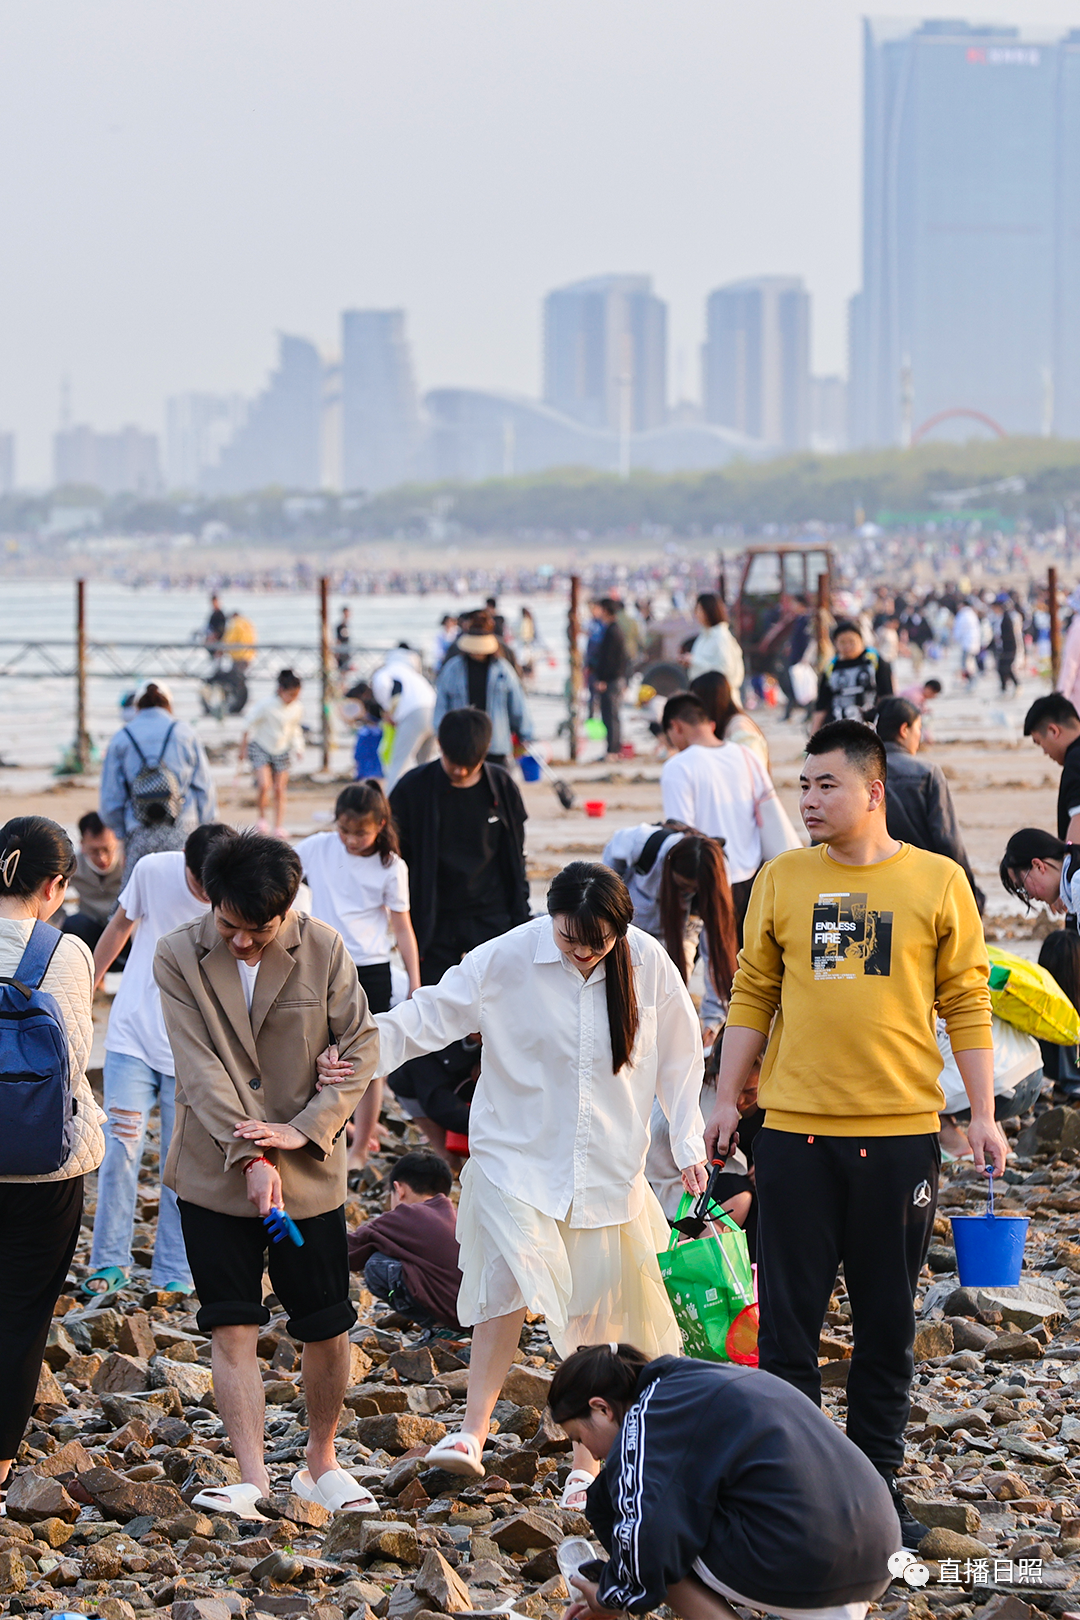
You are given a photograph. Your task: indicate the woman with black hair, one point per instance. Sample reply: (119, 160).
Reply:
(694, 889)
(40, 1213)
(720, 1485)
(584, 1021)
(1038, 866)
(732, 722)
(715, 647)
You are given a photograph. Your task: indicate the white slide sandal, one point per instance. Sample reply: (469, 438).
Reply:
(239, 1500)
(452, 1459)
(577, 1483)
(335, 1490)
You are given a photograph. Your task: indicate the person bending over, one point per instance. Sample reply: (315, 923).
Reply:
(711, 1492)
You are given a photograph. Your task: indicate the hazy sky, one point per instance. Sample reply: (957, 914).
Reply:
(182, 178)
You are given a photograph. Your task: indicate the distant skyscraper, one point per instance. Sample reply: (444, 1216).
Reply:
(380, 416)
(197, 429)
(605, 352)
(756, 360)
(123, 463)
(280, 441)
(7, 463)
(828, 414)
(971, 231)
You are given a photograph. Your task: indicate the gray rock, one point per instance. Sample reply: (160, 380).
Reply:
(191, 1382)
(1026, 1305)
(935, 1514)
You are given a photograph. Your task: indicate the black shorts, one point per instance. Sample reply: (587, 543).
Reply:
(227, 1254)
(376, 984)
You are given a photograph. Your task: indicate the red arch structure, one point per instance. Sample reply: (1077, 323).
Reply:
(957, 410)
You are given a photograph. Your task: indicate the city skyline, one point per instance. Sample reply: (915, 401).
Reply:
(232, 172)
(970, 304)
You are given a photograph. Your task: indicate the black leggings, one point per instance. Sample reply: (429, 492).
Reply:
(39, 1227)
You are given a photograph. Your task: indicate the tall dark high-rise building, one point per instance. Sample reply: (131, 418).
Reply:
(380, 415)
(971, 232)
(605, 353)
(756, 360)
(280, 442)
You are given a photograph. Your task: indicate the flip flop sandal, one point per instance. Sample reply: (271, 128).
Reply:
(577, 1483)
(176, 1287)
(335, 1490)
(448, 1456)
(238, 1500)
(113, 1278)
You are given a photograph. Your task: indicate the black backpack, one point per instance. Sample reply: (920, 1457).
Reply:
(655, 842)
(155, 792)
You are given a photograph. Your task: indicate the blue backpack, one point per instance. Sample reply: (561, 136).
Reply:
(37, 1109)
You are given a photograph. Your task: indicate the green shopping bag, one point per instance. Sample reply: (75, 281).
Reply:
(711, 1288)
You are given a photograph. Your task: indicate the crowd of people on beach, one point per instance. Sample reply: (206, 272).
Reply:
(555, 1066)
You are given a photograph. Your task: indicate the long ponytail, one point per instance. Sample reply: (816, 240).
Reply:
(699, 861)
(592, 900)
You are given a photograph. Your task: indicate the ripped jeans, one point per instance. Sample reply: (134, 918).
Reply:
(132, 1088)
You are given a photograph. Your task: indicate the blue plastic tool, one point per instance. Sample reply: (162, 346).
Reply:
(282, 1226)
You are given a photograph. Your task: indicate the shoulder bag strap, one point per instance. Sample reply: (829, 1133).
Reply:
(39, 952)
(165, 744)
(130, 735)
(650, 849)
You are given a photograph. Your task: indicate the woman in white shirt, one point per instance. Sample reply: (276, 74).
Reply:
(360, 886)
(715, 647)
(39, 1212)
(733, 724)
(585, 1020)
(274, 733)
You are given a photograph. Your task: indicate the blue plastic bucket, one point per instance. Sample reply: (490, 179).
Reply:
(530, 768)
(989, 1249)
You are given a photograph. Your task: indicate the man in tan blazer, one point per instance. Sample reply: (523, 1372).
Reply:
(252, 994)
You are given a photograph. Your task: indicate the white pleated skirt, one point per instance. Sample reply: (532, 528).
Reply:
(592, 1284)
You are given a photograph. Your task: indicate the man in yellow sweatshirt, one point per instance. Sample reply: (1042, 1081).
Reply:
(851, 949)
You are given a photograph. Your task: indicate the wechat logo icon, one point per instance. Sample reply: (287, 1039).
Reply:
(905, 1564)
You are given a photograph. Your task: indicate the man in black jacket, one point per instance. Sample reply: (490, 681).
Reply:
(461, 823)
(1053, 725)
(918, 805)
(609, 673)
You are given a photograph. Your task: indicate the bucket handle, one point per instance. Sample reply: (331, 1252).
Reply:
(990, 1192)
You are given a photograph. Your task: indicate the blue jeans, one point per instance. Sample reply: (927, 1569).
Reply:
(132, 1088)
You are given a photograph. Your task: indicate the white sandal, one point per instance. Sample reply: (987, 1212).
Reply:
(335, 1490)
(449, 1456)
(239, 1500)
(577, 1483)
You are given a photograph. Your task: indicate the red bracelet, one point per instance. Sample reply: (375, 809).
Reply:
(262, 1159)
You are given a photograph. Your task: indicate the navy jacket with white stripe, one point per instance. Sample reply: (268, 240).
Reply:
(735, 1468)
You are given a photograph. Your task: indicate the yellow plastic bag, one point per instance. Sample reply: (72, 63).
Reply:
(1027, 997)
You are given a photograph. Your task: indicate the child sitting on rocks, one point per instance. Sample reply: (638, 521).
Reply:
(409, 1256)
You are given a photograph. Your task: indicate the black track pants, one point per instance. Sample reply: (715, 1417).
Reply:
(867, 1203)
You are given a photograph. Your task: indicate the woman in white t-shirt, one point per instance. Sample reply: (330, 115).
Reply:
(274, 734)
(360, 886)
